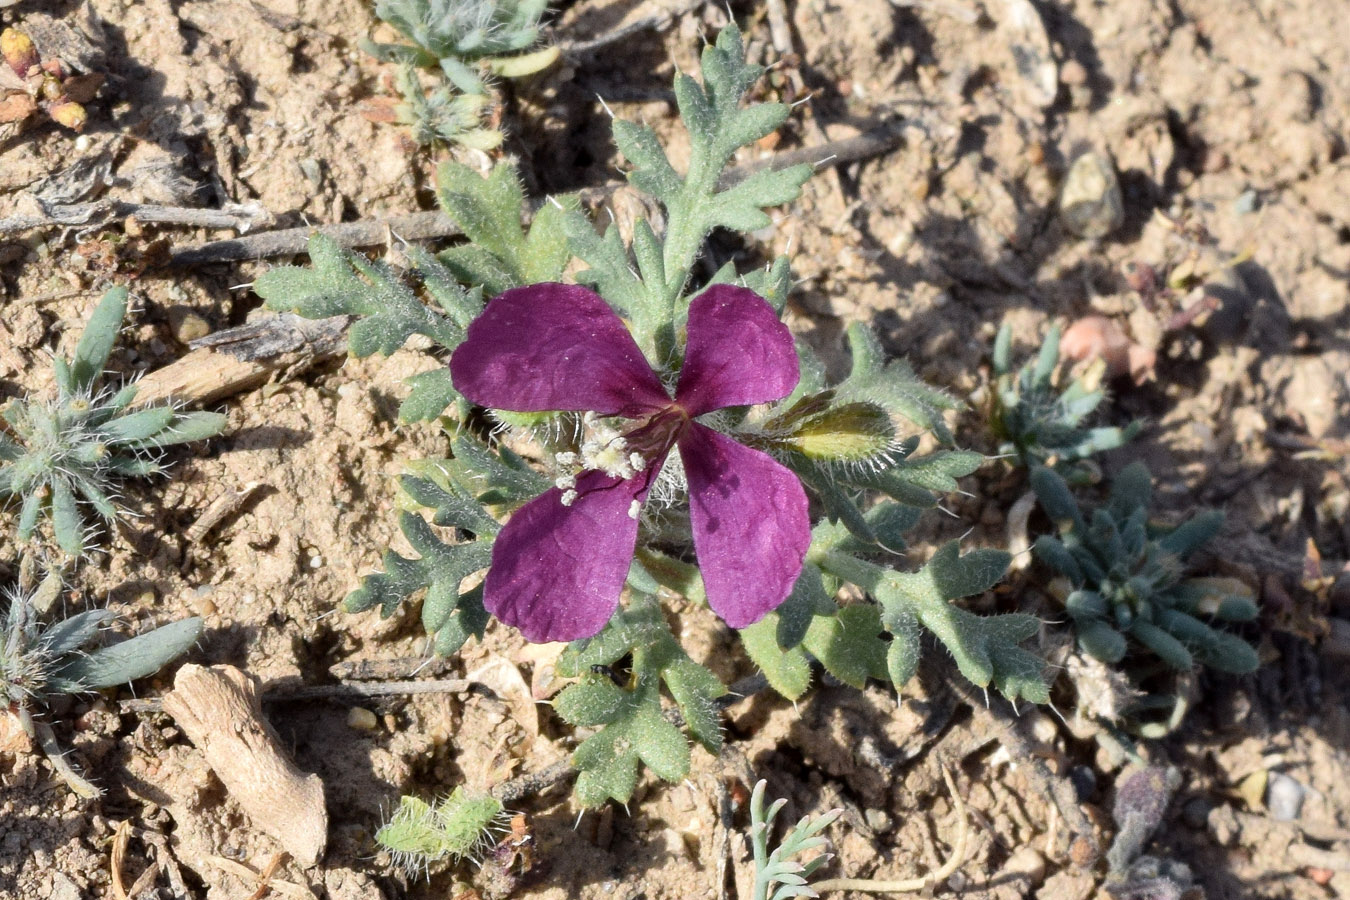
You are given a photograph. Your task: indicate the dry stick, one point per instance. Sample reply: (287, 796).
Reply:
(923, 882)
(236, 216)
(345, 691)
(436, 224)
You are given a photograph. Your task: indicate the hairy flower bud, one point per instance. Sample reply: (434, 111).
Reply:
(849, 433)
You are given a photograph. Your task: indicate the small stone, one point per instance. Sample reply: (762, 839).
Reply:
(1084, 781)
(1284, 797)
(1069, 885)
(1223, 824)
(1026, 863)
(1090, 202)
(878, 820)
(1195, 813)
(187, 325)
(361, 719)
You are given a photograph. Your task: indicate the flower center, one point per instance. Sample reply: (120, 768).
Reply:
(620, 455)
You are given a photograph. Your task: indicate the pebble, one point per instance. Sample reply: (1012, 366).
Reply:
(188, 326)
(1195, 812)
(1284, 797)
(1026, 862)
(878, 820)
(361, 719)
(1090, 202)
(1084, 781)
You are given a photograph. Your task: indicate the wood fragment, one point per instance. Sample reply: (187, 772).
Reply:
(228, 362)
(219, 709)
(118, 857)
(779, 30)
(144, 881)
(265, 876)
(248, 873)
(218, 510)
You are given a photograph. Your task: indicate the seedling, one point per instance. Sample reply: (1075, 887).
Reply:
(1040, 425)
(468, 42)
(441, 114)
(68, 452)
(653, 435)
(39, 662)
(465, 825)
(466, 39)
(781, 867)
(1124, 584)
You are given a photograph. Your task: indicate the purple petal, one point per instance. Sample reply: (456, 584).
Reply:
(555, 346)
(557, 571)
(751, 528)
(738, 352)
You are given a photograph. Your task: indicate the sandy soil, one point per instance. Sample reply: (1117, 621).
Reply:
(1227, 123)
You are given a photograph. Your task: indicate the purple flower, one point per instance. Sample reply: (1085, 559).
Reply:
(560, 563)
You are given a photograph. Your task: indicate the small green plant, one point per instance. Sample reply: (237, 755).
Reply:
(467, 42)
(464, 825)
(1040, 425)
(443, 113)
(466, 39)
(69, 451)
(588, 492)
(780, 866)
(1124, 580)
(39, 662)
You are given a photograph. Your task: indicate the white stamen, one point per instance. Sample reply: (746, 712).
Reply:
(565, 482)
(567, 458)
(636, 461)
(633, 509)
(569, 497)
